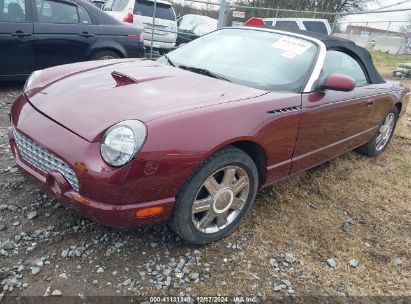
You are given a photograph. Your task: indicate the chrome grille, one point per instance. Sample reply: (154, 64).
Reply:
(42, 159)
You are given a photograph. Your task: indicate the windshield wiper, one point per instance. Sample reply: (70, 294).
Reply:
(169, 61)
(203, 72)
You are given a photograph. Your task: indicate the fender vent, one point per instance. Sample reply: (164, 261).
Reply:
(285, 110)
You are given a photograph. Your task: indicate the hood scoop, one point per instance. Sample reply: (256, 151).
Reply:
(124, 79)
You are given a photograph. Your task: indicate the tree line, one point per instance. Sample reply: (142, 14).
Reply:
(334, 6)
(254, 8)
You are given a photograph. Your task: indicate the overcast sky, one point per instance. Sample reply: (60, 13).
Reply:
(386, 21)
(376, 4)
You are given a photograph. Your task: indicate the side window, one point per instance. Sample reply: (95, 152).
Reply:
(56, 12)
(337, 62)
(268, 23)
(315, 26)
(84, 16)
(292, 25)
(12, 10)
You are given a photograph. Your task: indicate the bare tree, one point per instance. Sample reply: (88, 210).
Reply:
(309, 5)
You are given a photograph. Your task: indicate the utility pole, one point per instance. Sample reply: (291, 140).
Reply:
(152, 30)
(223, 14)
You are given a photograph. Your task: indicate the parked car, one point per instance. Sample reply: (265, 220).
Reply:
(163, 31)
(190, 27)
(321, 26)
(189, 139)
(37, 34)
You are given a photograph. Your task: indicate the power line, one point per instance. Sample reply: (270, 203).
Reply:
(388, 6)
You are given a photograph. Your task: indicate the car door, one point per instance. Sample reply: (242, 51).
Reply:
(63, 33)
(334, 122)
(16, 38)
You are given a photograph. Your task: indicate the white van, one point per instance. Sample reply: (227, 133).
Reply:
(306, 24)
(140, 13)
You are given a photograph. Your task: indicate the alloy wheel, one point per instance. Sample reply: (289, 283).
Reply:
(107, 57)
(385, 131)
(220, 199)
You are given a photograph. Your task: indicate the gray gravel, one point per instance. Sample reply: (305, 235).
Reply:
(332, 263)
(354, 263)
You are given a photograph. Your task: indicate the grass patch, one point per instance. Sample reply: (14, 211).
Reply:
(400, 152)
(404, 168)
(387, 63)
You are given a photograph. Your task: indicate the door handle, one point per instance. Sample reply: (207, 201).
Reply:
(20, 34)
(370, 103)
(86, 35)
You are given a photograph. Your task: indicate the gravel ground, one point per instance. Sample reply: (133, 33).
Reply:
(343, 229)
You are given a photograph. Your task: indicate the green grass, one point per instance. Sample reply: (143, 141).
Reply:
(400, 152)
(387, 63)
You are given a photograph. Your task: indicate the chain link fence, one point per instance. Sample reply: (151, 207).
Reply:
(171, 24)
(387, 31)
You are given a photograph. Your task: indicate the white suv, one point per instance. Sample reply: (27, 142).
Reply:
(140, 13)
(306, 24)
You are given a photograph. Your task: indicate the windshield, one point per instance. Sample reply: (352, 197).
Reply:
(258, 59)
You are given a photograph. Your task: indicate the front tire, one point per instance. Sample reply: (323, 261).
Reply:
(216, 198)
(380, 141)
(105, 55)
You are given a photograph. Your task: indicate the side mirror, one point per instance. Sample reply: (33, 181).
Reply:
(337, 82)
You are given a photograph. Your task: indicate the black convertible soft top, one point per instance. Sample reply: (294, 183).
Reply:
(337, 43)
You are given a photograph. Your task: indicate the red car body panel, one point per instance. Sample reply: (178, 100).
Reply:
(199, 116)
(95, 90)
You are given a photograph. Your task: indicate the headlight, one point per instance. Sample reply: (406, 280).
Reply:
(122, 142)
(31, 79)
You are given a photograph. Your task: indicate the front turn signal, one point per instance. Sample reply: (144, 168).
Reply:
(149, 211)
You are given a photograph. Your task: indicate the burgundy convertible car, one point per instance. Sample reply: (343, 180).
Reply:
(188, 139)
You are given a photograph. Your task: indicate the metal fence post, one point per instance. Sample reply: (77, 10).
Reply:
(369, 39)
(223, 14)
(152, 29)
(388, 28)
(334, 25)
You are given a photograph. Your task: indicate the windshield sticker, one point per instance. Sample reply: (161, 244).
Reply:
(292, 46)
(288, 54)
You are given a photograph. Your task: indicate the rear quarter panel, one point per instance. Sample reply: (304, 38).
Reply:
(117, 38)
(391, 94)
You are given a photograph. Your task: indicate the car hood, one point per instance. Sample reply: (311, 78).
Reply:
(90, 100)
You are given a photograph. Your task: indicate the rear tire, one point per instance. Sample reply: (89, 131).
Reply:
(105, 55)
(380, 141)
(216, 198)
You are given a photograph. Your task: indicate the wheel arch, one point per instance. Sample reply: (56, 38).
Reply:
(398, 105)
(116, 50)
(257, 154)
(253, 149)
